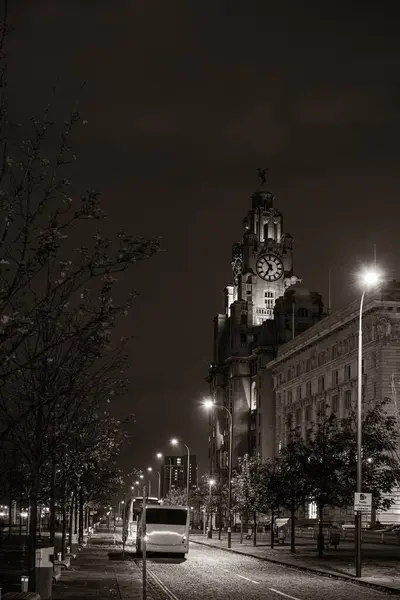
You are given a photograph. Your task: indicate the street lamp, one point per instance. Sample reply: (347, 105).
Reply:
(369, 279)
(149, 469)
(175, 442)
(211, 482)
(210, 405)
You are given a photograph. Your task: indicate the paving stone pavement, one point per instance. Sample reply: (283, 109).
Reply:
(100, 572)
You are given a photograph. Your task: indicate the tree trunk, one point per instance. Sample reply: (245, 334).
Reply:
(272, 528)
(71, 519)
(64, 530)
(241, 529)
(80, 527)
(255, 529)
(10, 512)
(32, 532)
(320, 530)
(292, 530)
(52, 516)
(76, 508)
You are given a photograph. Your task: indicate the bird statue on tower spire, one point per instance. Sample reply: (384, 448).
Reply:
(262, 174)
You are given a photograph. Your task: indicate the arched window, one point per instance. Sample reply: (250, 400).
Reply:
(253, 398)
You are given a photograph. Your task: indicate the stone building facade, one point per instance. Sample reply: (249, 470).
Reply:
(318, 369)
(277, 353)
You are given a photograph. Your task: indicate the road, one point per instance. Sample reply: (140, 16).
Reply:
(213, 574)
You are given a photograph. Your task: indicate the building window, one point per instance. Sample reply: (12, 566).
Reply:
(243, 339)
(302, 312)
(308, 365)
(320, 409)
(289, 396)
(308, 388)
(253, 399)
(335, 404)
(321, 384)
(335, 377)
(243, 319)
(321, 359)
(298, 370)
(259, 419)
(298, 417)
(334, 351)
(375, 389)
(308, 414)
(312, 510)
(289, 374)
(374, 360)
(347, 372)
(259, 438)
(362, 366)
(347, 399)
(298, 394)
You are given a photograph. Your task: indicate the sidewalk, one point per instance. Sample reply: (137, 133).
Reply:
(380, 564)
(100, 571)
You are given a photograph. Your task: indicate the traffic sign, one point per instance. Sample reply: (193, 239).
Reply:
(362, 502)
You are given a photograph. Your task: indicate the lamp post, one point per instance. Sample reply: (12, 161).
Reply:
(369, 279)
(209, 404)
(211, 482)
(175, 442)
(149, 469)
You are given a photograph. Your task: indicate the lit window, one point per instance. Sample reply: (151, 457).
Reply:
(312, 510)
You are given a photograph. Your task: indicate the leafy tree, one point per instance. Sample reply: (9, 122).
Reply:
(290, 477)
(380, 460)
(247, 490)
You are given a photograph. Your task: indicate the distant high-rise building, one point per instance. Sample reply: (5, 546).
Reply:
(173, 473)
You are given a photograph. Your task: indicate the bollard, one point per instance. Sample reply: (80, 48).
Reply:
(59, 555)
(24, 583)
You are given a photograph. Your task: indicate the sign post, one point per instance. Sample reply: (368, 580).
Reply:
(124, 529)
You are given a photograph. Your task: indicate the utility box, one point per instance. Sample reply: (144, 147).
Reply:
(44, 572)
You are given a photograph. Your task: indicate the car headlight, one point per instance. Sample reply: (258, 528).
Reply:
(183, 539)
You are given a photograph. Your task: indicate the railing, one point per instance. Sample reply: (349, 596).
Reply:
(347, 535)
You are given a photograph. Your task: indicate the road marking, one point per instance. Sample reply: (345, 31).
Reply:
(162, 585)
(283, 594)
(241, 576)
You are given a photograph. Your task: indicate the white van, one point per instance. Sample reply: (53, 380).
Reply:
(167, 529)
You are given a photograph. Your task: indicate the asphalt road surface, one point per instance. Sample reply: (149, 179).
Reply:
(213, 574)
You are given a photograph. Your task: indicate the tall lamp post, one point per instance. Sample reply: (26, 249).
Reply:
(176, 442)
(149, 469)
(369, 279)
(210, 405)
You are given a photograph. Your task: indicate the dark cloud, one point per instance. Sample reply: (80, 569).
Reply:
(184, 100)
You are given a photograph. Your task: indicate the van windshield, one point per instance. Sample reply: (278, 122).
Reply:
(165, 516)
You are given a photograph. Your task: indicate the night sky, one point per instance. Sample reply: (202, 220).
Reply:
(184, 100)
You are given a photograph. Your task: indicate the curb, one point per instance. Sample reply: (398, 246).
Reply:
(312, 570)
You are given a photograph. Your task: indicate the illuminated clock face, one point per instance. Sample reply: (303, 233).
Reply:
(269, 267)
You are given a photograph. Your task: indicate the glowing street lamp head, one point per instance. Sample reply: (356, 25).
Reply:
(136, 482)
(208, 404)
(370, 277)
(149, 468)
(159, 455)
(141, 476)
(211, 481)
(174, 442)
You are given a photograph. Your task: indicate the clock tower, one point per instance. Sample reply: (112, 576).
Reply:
(262, 262)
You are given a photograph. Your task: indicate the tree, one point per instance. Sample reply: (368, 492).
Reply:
(58, 308)
(324, 448)
(291, 483)
(380, 460)
(247, 490)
